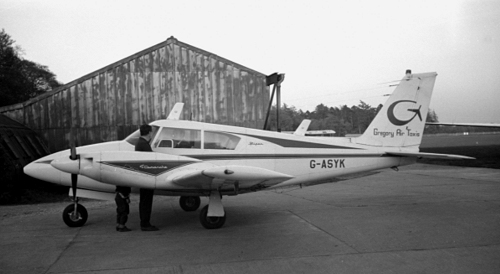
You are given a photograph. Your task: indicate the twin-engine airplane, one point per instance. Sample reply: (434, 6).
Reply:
(193, 159)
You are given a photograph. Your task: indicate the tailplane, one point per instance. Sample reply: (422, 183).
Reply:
(401, 121)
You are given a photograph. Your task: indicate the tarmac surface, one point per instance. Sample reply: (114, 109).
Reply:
(422, 219)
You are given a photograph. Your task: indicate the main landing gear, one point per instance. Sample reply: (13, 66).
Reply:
(212, 216)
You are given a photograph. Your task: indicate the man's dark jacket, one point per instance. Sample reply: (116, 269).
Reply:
(142, 145)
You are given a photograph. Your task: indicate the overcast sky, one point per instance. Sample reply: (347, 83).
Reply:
(332, 52)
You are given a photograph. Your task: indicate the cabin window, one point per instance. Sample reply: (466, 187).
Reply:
(178, 138)
(220, 140)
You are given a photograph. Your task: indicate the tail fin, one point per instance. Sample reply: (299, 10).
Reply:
(176, 111)
(401, 121)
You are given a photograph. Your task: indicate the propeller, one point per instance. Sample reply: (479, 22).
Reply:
(74, 177)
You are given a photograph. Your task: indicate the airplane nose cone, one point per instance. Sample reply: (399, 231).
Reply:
(65, 164)
(42, 170)
(32, 169)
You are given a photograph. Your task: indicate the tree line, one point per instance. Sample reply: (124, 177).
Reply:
(21, 79)
(353, 120)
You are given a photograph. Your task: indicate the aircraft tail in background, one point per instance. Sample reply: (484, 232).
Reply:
(401, 121)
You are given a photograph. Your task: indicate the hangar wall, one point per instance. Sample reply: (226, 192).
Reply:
(112, 102)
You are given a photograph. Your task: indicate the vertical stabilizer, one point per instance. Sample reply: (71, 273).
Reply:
(176, 112)
(401, 121)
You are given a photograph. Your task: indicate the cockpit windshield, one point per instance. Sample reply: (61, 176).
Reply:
(134, 137)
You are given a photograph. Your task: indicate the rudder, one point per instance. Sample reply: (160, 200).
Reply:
(401, 121)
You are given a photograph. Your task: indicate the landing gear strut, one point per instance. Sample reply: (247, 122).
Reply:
(74, 215)
(213, 216)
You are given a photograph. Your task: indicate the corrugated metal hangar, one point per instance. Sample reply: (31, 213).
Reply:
(112, 102)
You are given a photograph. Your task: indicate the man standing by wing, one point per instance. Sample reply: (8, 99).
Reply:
(146, 195)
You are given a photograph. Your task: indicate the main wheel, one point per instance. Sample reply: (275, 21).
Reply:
(211, 222)
(75, 219)
(189, 203)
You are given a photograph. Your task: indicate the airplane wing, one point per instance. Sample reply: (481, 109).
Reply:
(206, 176)
(430, 155)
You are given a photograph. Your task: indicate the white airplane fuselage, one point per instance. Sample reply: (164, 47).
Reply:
(307, 160)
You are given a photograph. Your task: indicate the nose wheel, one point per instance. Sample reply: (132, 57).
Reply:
(75, 217)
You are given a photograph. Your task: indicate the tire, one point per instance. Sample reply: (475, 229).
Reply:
(190, 203)
(80, 218)
(211, 222)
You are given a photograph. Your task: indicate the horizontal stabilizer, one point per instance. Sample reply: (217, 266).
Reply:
(430, 155)
(488, 125)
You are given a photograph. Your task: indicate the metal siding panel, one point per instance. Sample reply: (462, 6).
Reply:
(142, 98)
(103, 100)
(140, 90)
(96, 96)
(134, 92)
(155, 85)
(229, 85)
(43, 114)
(163, 59)
(148, 85)
(74, 107)
(155, 60)
(193, 85)
(163, 92)
(215, 89)
(200, 82)
(157, 106)
(207, 90)
(50, 112)
(177, 76)
(89, 103)
(30, 119)
(66, 109)
(237, 101)
(119, 88)
(222, 93)
(127, 99)
(57, 113)
(251, 100)
(111, 97)
(186, 90)
(81, 105)
(170, 84)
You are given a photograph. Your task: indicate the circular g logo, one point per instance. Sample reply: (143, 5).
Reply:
(395, 121)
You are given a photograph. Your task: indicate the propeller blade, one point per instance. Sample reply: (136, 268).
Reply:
(73, 152)
(74, 180)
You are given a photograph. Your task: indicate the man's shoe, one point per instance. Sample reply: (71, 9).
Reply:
(149, 228)
(123, 229)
